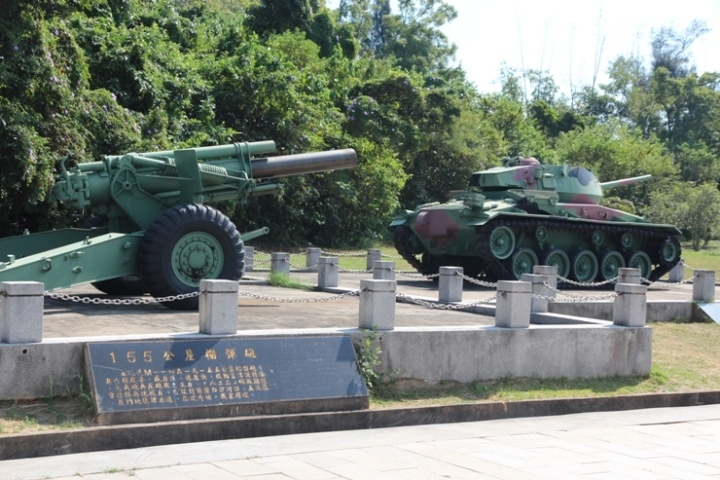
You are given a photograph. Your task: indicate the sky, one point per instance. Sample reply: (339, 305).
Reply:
(571, 39)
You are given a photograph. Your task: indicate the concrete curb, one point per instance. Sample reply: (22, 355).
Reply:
(119, 437)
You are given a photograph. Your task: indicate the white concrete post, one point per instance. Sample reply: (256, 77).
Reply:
(249, 258)
(551, 272)
(629, 275)
(373, 255)
(21, 312)
(677, 274)
(630, 307)
(704, 286)
(218, 307)
(280, 263)
(513, 304)
(384, 270)
(539, 287)
(450, 284)
(312, 255)
(327, 272)
(377, 304)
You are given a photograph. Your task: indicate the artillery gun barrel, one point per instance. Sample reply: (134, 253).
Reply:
(286, 165)
(625, 181)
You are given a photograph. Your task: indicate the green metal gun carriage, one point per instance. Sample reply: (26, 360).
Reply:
(152, 230)
(525, 213)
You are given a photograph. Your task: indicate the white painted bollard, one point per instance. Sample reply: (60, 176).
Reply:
(328, 272)
(540, 288)
(384, 271)
(551, 272)
(373, 255)
(312, 255)
(513, 304)
(677, 274)
(630, 307)
(249, 258)
(704, 286)
(450, 284)
(629, 276)
(280, 263)
(377, 304)
(21, 312)
(218, 307)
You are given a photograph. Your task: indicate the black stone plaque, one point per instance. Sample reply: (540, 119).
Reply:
(172, 374)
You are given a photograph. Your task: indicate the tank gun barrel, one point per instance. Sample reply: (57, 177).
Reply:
(625, 181)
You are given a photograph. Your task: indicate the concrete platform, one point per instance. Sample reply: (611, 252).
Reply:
(72, 319)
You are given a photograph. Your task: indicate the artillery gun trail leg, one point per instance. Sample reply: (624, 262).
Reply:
(126, 286)
(186, 244)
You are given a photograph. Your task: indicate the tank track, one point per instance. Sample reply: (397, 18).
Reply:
(502, 269)
(401, 239)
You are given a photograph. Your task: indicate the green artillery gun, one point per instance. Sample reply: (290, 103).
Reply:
(151, 230)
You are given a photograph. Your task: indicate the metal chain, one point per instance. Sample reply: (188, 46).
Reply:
(477, 281)
(577, 298)
(353, 293)
(586, 284)
(338, 254)
(353, 271)
(444, 306)
(119, 301)
(417, 275)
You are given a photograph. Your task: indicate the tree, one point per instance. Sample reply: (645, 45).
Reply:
(669, 48)
(694, 208)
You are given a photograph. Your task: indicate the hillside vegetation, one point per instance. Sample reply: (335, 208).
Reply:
(83, 78)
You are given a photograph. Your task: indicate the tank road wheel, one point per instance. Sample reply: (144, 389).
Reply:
(502, 242)
(125, 286)
(185, 245)
(670, 251)
(558, 258)
(611, 262)
(641, 261)
(523, 262)
(585, 266)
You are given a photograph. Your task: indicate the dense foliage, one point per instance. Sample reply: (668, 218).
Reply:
(83, 78)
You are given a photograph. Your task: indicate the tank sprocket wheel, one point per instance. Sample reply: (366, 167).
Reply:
(669, 251)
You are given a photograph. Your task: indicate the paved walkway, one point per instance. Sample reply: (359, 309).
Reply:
(681, 443)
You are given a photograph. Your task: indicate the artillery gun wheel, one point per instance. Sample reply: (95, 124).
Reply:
(125, 286)
(611, 262)
(585, 266)
(186, 244)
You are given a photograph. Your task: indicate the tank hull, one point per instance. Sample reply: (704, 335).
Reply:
(507, 238)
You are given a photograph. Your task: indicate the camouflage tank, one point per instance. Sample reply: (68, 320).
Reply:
(526, 213)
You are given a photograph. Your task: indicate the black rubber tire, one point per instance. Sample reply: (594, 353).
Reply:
(163, 236)
(125, 286)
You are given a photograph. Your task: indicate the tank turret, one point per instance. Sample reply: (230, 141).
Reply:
(526, 213)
